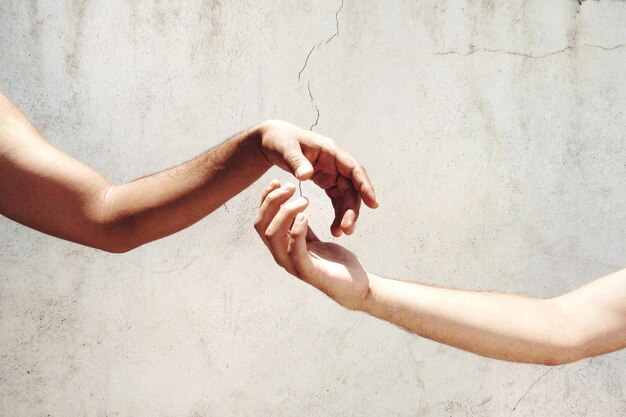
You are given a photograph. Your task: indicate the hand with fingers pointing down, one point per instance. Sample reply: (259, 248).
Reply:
(309, 155)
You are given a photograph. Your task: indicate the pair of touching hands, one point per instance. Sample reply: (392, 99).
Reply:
(283, 225)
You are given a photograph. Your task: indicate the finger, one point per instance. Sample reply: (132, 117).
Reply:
(335, 227)
(350, 168)
(348, 221)
(300, 166)
(277, 232)
(270, 206)
(274, 184)
(347, 204)
(350, 205)
(297, 247)
(364, 186)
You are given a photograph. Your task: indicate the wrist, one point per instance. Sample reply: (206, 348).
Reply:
(368, 302)
(255, 136)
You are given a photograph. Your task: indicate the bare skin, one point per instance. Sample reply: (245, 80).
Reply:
(585, 322)
(43, 188)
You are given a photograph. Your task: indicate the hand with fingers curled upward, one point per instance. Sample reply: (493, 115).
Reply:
(284, 229)
(587, 321)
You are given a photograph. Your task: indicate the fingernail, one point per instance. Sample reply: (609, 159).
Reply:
(287, 186)
(302, 170)
(300, 218)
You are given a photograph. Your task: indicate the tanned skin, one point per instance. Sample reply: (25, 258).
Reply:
(43, 188)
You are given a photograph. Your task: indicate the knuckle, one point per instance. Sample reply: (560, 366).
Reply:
(294, 158)
(332, 147)
(287, 210)
(271, 198)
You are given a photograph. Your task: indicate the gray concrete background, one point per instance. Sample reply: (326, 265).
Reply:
(495, 136)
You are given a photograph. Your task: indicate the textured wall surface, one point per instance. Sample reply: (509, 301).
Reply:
(494, 132)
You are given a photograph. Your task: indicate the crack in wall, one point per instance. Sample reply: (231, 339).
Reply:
(316, 47)
(525, 55)
(337, 23)
(605, 47)
(530, 387)
(306, 61)
(317, 119)
(502, 51)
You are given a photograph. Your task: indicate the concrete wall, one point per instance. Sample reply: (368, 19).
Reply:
(494, 132)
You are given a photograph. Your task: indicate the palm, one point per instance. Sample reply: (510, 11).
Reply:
(337, 272)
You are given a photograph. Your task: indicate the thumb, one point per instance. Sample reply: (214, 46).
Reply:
(297, 248)
(299, 165)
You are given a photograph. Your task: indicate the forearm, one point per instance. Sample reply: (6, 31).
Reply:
(164, 203)
(500, 326)
(43, 188)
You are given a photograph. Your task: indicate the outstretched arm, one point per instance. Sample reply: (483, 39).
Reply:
(45, 189)
(586, 322)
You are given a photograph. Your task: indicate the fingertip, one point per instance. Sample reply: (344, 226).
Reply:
(348, 227)
(304, 172)
(369, 196)
(301, 201)
(348, 222)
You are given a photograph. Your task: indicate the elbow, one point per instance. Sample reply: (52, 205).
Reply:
(556, 358)
(119, 237)
(113, 235)
(110, 230)
(567, 341)
(115, 247)
(562, 355)
(111, 241)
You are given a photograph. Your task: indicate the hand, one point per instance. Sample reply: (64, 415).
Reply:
(327, 266)
(309, 155)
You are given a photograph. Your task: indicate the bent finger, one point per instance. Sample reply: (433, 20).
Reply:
(350, 168)
(350, 205)
(270, 206)
(297, 248)
(277, 232)
(274, 184)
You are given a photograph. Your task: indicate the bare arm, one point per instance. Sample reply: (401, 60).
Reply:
(586, 322)
(45, 189)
